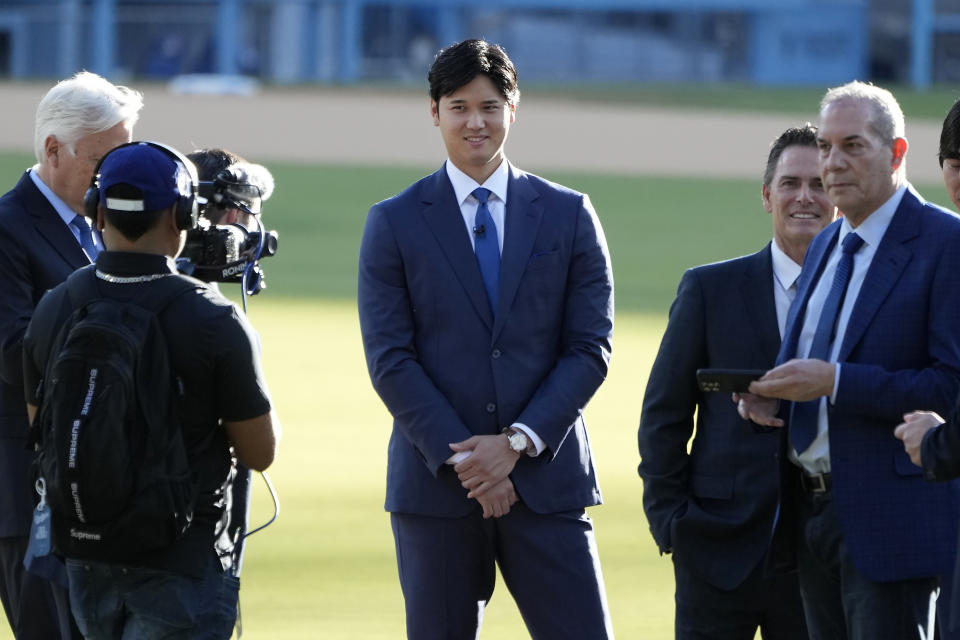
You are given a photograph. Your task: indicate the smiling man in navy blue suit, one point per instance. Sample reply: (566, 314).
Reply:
(714, 507)
(869, 535)
(486, 307)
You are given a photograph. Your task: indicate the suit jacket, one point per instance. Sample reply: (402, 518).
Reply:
(37, 252)
(900, 352)
(448, 368)
(715, 506)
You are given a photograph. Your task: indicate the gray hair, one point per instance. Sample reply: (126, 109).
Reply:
(82, 105)
(886, 118)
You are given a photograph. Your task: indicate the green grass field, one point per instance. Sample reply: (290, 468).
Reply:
(326, 568)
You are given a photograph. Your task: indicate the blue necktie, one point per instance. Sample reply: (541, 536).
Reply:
(86, 236)
(487, 246)
(804, 417)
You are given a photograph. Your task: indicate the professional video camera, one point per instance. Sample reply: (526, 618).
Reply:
(228, 252)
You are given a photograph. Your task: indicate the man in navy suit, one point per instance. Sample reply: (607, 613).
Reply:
(937, 450)
(871, 335)
(714, 507)
(43, 238)
(486, 307)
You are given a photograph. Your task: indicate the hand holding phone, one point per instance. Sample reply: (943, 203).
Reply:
(727, 380)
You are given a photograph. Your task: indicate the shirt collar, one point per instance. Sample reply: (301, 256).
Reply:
(128, 263)
(463, 185)
(872, 229)
(785, 270)
(61, 207)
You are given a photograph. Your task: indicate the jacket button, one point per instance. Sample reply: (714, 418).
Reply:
(495, 353)
(491, 407)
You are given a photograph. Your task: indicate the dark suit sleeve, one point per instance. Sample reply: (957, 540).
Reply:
(941, 452)
(669, 403)
(51, 312)
(420, 410)
(16, 292)
(885, 393)
(585, 337)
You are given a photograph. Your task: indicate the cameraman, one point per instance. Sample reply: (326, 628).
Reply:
(231, 239)
(180, 591)
(255, 179)
(257, 184)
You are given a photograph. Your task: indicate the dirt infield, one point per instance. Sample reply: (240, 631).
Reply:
(366, 127)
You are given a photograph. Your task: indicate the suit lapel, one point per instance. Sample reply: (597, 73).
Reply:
(889, 263)
(757, 292)
(441, 212)
(521, 221)
(50, 225)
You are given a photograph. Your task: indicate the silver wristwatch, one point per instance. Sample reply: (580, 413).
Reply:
(518, 440)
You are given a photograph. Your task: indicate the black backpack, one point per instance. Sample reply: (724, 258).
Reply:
(108, 434)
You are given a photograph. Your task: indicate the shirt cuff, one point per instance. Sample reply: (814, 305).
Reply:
(538, 444)
(458, 457)
(836, 383)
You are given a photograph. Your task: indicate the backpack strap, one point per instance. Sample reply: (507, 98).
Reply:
(82, 286)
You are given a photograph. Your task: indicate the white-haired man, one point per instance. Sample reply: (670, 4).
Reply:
(43, 238)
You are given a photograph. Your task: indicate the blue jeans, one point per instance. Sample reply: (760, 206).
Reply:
(114, 602)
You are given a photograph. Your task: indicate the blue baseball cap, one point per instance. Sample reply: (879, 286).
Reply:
(154, 172)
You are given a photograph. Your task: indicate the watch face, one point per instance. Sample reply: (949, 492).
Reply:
(518, 442)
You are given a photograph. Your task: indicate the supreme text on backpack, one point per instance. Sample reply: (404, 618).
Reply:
(108, 433)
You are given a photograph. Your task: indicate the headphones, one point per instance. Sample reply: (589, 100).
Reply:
(187, 208)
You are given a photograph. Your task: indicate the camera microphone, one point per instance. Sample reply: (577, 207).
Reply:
(480, 231)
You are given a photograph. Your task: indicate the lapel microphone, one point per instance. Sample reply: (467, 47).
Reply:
(479, 231)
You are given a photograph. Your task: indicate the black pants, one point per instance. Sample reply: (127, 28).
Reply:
(769, 602)
(840, 602)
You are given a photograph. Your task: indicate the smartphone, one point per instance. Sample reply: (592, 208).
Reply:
(727, 380)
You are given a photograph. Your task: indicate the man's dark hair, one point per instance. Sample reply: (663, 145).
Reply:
(210, 162)
(805, 136)
(131, 224)
(950, 135)
(457, 66)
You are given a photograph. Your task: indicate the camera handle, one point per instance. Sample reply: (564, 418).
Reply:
(252, 270)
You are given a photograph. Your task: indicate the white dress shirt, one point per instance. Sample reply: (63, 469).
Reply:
(463, 187)
(816, 459)
(786, 272)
